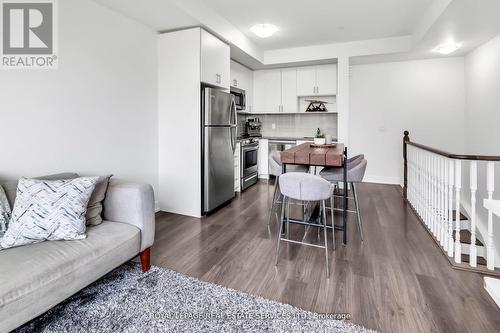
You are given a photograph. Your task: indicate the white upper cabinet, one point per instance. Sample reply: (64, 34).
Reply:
(215, 61)
(283, 90)
(326, 80)
(306, 81)
(289, 101)
(275, 90)
(242, 78)
(267, 91)
(317, 80)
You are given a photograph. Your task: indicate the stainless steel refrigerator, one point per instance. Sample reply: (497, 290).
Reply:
(219, 142)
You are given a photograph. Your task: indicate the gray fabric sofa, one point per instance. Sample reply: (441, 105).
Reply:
(36, 277)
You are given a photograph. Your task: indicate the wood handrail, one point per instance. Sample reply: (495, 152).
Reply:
(407, 141)
(450, 155)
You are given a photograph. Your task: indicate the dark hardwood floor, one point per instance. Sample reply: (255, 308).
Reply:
(397, 280)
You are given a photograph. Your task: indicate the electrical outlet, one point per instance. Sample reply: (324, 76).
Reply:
(273, 126)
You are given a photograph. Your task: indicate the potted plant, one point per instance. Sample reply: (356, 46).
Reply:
(319, 139)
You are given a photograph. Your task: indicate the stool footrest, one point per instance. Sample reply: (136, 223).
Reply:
(302, 243)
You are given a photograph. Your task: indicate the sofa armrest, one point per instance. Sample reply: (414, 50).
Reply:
(133, 204)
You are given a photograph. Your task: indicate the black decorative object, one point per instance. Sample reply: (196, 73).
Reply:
(316, 106)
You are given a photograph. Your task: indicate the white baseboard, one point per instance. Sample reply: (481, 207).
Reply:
(157, 206)
(492, 286)
(383, 180)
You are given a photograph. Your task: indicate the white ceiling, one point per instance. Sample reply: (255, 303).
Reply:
(310, 30)
(311, 22)
(159, 15)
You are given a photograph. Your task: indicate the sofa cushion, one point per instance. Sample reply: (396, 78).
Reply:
(5, 212)
(10, 189)
(49, 210)
(94, 209)
(36, 277)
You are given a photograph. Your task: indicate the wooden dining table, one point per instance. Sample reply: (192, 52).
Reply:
(315, 156)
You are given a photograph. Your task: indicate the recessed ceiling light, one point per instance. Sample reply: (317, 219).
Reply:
(447, 48)
(264, 30)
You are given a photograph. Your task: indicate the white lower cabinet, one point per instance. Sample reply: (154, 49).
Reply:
(237, 168)
(263, 158)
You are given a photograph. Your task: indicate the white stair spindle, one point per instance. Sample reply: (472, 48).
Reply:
(451, 182)
(473, 189)
(424, 188)
(410, 177)
(420, 183)
(490, 187)
(458, 187)
(443, 220)
(429, 192)
(438, 199)
(445, 207)
(435, 196)
(431, 173)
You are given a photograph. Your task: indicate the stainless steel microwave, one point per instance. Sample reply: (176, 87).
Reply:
(239, 98)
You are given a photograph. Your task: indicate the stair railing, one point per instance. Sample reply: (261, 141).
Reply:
(433, 187)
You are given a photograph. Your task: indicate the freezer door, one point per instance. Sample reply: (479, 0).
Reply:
(218, 167)
(218, 108)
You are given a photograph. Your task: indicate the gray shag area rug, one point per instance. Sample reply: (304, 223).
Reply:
(127, 300)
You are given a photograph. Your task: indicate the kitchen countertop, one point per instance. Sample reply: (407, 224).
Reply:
(306, 138)
(286, 138)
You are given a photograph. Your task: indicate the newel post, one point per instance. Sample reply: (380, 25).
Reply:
(406, 139)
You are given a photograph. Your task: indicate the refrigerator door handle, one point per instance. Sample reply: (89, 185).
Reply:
(233, 122)
(232, 115)
(232, 131)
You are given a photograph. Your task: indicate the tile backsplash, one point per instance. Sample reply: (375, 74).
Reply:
(297, 125)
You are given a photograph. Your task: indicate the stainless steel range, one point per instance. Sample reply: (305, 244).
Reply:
(249, 160)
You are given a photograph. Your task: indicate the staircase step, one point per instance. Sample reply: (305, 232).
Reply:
(480, 260)
(465, 237)
(462, 216)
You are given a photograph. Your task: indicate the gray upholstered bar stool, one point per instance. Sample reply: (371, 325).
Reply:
(276, 169)
(304, 187)
(355, 174)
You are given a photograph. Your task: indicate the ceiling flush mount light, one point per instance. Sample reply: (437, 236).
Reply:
(447, 48)
(264, 30)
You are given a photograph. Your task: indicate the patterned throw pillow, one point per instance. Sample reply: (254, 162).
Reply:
(4, 212)
(49, 210)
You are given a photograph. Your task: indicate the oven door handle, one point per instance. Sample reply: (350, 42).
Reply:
(249, 148)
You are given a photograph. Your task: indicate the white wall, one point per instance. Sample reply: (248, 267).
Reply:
(97, 113)
(482, 116)
(425, 97)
